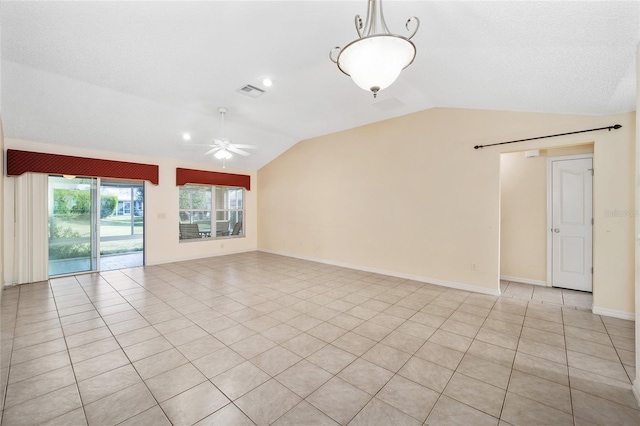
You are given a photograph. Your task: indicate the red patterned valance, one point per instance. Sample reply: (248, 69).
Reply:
(19, 162)
(184, 176)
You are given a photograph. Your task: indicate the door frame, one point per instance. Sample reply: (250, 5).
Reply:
(94, 197)
(119, 183)
(95, 238)
(550, 161)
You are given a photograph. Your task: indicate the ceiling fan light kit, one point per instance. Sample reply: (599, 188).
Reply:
(375, 59)
(223, 154)
(222, 148)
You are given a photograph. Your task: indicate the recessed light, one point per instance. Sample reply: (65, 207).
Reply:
(186, 136)
(267, 82)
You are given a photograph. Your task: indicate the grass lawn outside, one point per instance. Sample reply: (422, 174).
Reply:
(111, 226)
(123, 246)
(78, 227)
(120, 225)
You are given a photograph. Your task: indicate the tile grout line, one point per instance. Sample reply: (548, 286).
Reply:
(449, 380)
(458, 366)
(125, 353)
(566, 354)
(506, 392)
(328, 344)
(11, 356)
(13, 336)
(174, 347)
(67, 345)
(615, 349)
(260, 294)
(189, 361)
(394, 373)
(68, 357)
(120, 346)
(352, 362)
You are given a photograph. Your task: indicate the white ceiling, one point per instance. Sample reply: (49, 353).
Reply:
(133, 76)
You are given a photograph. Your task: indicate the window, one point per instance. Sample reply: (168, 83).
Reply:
(211, 212)
(229, 211)
(124, 208)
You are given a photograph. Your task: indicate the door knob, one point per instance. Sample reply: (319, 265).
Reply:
(556, 230)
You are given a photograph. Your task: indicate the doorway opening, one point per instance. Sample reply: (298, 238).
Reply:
(526, 238)
(94, 225)
(121, 225)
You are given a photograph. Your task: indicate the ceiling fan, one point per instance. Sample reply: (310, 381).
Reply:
(222, 148)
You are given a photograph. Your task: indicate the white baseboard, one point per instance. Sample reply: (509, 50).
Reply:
(523, 280)
(451, 284)
(156, 262)
(204, 256)
(636, 390)
(613, 313)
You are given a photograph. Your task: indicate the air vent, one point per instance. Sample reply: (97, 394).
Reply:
(251, 91)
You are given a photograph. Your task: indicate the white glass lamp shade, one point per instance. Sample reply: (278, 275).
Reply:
(223, 154)
(375, 62)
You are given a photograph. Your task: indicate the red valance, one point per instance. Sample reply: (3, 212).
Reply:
(184, 176)
(19, 162)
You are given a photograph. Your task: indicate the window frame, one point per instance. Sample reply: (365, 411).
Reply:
(213, 213)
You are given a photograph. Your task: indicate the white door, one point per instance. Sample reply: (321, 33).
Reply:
(572, 224)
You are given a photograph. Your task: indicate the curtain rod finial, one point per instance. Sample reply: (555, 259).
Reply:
(477, 146)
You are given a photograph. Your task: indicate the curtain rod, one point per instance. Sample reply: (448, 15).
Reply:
(614, 127)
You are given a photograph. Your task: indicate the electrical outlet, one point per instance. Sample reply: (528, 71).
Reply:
(474, 267)
(221, 245)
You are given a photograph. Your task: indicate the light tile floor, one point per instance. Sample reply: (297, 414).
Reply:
(121, 261)
(107, 263)
(262, 339)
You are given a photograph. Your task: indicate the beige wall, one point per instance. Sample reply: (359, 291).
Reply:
(523, 211)
(2, 204)
(636, 382)
(161, 209)
(410, 196)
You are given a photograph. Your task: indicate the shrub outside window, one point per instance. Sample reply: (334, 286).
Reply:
(211, 212)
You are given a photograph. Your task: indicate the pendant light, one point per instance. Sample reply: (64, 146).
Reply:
(375, 59)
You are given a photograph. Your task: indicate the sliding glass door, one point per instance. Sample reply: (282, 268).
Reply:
(72, 212)
(94, 225)
(121, 225)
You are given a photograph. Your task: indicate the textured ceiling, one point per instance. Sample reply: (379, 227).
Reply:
(133, 76)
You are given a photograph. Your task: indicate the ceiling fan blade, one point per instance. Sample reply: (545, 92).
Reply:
(237, 151)
(239, 145)
(212, 150)
(197, 144)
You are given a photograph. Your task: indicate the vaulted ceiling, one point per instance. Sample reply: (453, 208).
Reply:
(133, 77)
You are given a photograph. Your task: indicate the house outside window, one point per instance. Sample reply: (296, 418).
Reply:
(211, 212)
(124, 208)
